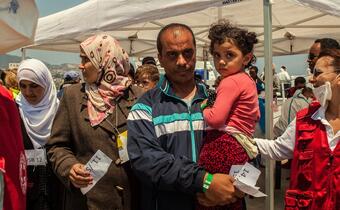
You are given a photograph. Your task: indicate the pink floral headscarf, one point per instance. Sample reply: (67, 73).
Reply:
(113, 66)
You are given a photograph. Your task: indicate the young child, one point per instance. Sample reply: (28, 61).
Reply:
(231, 118)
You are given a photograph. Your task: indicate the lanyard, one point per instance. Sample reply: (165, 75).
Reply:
(291, 103)
(116, 120)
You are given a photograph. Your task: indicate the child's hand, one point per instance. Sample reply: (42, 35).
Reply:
(204, 102)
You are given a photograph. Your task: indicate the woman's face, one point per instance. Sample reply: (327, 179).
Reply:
(323, 72)
(32, 92)
(90, 73)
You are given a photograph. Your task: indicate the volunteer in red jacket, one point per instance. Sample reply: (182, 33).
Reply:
(312, 140)
(12, 155)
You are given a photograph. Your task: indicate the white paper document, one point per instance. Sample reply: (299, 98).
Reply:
(36, 157)
(97, 166)
(246, 177)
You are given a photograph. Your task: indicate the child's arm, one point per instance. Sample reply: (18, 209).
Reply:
(227, 93)
(281, 148)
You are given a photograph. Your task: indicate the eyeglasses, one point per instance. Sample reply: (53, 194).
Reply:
(143, 83)
(312, 56)
(316, 72)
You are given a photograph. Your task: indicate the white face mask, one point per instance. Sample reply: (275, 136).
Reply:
(323, 93)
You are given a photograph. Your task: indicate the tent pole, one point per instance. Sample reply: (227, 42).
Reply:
(219, 13)
(23, 54)
(269, 172)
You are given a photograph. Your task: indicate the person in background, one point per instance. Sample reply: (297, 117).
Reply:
(299, 83)
(253, 72)
(283, 75)
(11, 82)
(284, 80)
(165, 132)
(149, 60)
(312, 141)
(70, 78)
(92, 118)
(147, 76)
(318, 46)
(290, 107)
(13, 174)
(132, 73)
(38, 104)
(2, 77)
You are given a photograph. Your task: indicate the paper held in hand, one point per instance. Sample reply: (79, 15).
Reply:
(97, 166)
(246, 177)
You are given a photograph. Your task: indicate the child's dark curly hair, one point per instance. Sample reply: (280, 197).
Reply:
(224, 31)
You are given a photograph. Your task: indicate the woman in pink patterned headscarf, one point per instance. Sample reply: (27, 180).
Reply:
(87, 127)
(105, 66)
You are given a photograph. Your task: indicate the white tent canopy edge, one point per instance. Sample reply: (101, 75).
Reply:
(295, 27)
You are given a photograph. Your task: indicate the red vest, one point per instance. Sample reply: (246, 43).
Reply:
(12, 154)
(315, 170)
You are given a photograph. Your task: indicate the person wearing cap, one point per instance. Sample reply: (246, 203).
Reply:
(149, 60)
(70, 78)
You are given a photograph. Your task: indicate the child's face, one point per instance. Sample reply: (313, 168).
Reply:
(228, 59)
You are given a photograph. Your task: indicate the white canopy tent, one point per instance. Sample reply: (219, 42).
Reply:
(288, 26)
(18, 21)
(136, 24)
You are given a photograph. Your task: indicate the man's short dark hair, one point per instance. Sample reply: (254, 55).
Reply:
(149, 60)
(255, 69)
(328, 43)
(171, 26)
(299, 80)
(307, 90)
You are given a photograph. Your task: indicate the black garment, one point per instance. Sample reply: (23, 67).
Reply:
(44, 190)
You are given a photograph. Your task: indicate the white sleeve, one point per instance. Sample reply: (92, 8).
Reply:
(281, 148)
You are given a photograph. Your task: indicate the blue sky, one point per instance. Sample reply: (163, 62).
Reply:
(295, 64)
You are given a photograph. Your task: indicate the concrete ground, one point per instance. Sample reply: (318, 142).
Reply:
(259, 203)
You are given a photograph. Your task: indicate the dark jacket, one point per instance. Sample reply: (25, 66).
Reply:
(73, 140)
(43, 187)
(164, 139)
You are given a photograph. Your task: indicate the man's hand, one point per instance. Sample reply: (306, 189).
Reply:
(222, 191)
(203, 200)
(79, 176)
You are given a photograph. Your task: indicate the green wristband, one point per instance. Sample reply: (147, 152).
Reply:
(203, 106)
(207, 182)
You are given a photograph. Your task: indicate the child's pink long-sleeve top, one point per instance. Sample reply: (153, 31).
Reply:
(236, 105)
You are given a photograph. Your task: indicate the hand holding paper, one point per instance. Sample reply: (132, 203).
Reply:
(246, 177)
(97, 168)
(79, 176)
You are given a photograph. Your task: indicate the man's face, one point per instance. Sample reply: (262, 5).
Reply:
(300, 85)
(178, 56)
(313, 55)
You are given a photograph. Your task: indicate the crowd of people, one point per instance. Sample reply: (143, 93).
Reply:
(138, 140)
